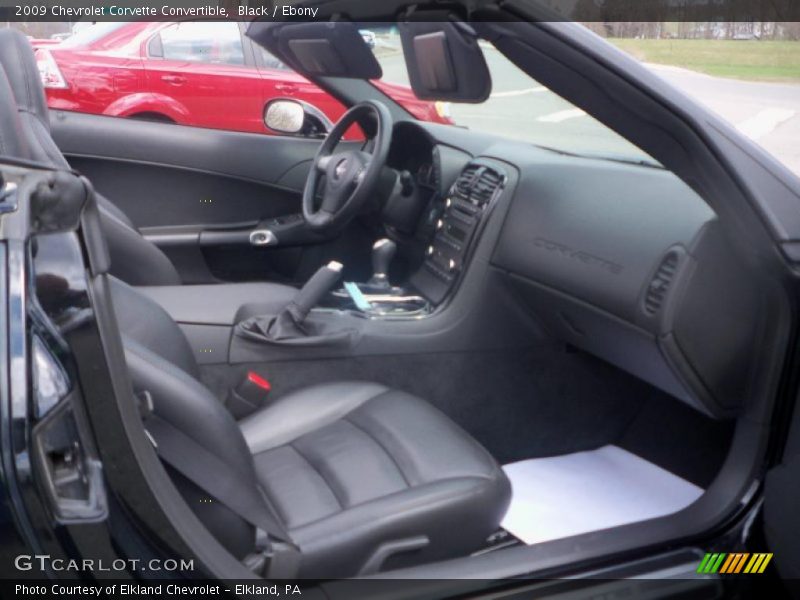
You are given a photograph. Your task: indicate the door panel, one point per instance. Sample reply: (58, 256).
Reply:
(179, 181)
(154, 195)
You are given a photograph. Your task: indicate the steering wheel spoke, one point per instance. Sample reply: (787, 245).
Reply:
(331, 202)
(365, 158)
(322, 162)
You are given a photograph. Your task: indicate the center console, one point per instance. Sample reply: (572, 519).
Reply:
(461, 219)
(457, 218)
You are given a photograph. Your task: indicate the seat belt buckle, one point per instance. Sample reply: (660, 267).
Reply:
(249, 396)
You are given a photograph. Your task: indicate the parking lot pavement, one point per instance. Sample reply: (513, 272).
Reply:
(520, 108)
(766, 112)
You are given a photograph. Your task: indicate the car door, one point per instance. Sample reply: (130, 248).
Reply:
(198, 188)
(781, 499)
(202, 68)
(198, 193)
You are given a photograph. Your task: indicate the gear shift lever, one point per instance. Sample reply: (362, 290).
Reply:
(383, 252)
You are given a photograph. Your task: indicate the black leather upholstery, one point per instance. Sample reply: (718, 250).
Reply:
(347, 468)
(147, 324)
(133, 258)
(19, 64)
(186, 404)
(350, 466)
(12, 140)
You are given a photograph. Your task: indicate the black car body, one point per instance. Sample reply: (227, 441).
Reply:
(560, 303)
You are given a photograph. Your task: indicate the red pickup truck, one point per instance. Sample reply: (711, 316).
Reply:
(206, 74)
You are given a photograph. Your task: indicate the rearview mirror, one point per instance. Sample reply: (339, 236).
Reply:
(296, 118)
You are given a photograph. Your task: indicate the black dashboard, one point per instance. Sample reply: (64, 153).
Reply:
(413, 152)
(434, 165)
(621, 260)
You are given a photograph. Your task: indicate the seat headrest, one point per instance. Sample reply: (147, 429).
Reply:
(19, 63)
(12, 138)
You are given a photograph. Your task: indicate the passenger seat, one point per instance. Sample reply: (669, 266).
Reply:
(362, 477)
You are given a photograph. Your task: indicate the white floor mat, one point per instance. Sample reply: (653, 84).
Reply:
(567, 495)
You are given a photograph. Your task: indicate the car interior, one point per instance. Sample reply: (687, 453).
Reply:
(435, 344)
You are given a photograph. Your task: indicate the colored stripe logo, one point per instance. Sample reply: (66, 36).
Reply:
(733, 563)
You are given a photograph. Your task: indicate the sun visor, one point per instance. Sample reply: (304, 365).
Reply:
(445, 61)
(318, 49)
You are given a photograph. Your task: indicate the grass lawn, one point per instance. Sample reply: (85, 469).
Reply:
(754, 60)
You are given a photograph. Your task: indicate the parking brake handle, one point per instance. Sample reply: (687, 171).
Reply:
(314, 290)
(289, 323)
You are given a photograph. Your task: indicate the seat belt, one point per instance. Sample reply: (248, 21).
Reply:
(224, 483)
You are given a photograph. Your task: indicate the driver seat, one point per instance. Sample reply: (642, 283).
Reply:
(134, 259)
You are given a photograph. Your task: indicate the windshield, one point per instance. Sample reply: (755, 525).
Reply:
(519, 107)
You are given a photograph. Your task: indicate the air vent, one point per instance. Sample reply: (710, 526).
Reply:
(659, 286)
(463, 186)
(486, 185)
(477, 185)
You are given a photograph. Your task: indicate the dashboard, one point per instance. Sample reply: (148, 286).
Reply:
(426, 174)
(412, 152)
(433, 164)
(621, 260)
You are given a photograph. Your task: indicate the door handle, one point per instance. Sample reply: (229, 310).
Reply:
(287, 88)
(173, 79)
(263, 237)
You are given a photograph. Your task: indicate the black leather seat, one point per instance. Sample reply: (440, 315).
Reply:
(134, 259)
(12, 141)
(349, 468)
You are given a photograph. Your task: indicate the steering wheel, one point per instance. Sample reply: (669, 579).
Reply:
(350, 176)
